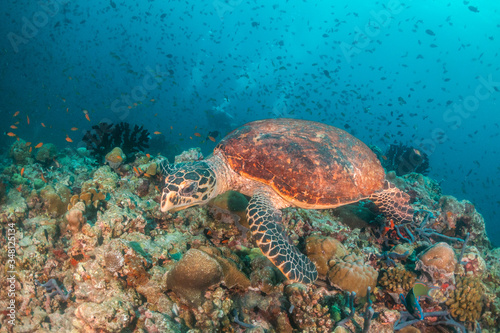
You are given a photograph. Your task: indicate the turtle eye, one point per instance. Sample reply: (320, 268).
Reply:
(188, 189)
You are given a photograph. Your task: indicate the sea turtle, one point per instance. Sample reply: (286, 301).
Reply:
(281, 163)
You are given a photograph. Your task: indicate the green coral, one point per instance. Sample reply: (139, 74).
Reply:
(465, 301)
(397, 278)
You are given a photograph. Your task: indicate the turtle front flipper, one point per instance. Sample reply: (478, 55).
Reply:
(393, 203)
(265, 222)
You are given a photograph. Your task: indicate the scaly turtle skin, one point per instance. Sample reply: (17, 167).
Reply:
(281, 163)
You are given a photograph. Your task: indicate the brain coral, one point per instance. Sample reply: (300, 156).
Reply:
(438, 262)
(353, 274)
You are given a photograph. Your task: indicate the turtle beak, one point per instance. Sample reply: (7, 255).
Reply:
(172, 202)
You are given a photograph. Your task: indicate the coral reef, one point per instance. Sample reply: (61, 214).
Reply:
(20, 152)
(103, 137)
(46, 153)
(465, 302)
(191, 155)
(352, 274)
(438, 263)
(307, 312)
(397, 279)
(321, 250)
(115, 158)
(121, 265)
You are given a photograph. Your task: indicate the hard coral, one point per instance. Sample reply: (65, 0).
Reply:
(465, 301)
(55, 202)
(352, 274)
(397, 279)
(193, 275)
(20, 152)
(75, 218)
(307, 312)
(112, 315)
(103, 137)
(46, 153)
(321, 250)
(438, 263)
(115, 158)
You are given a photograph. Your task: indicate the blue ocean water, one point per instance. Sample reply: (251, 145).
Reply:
(423, 73)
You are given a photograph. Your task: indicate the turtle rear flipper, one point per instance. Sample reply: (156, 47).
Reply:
(393, 203)
(264, 220)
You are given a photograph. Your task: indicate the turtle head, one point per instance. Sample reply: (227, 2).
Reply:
(186, 185)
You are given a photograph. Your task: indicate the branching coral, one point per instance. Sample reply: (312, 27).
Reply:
(465, 301)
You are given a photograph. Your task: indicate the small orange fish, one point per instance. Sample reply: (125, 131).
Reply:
(156, 114)
(68, 139)
(28, 144)
(197, 134)
(211, 138)
(384, 157)
(28, 119)
(224, 241)
(156, 132)
(148, 156)
(74, 128)
(171, 127)
(31, 149)
(22, 171)
(43, 178)
(87, 116)
(43, 125)
(118, 157)
(147, 175)
(15, 114)
(11, 134)
(39, 145)
(13, 126)
(19, 188)
(16, 123)
(156, 187)
(137, 172)
(152, 100)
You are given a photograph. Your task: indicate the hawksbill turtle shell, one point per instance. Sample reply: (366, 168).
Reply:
(309, 164)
